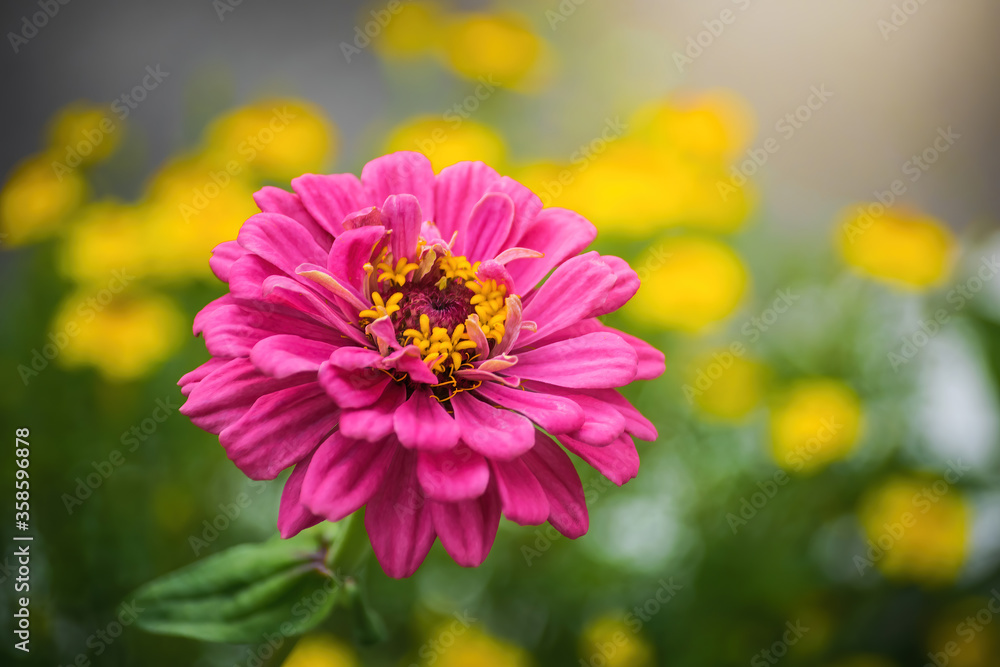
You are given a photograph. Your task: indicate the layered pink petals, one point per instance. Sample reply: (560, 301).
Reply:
(300, 378)
(344, 474)
(399, 520)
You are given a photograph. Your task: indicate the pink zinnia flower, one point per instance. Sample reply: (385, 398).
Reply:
(392, 338)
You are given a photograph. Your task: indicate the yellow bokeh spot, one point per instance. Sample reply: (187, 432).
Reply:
(716, 125)
(497, 47)
(411, 32)
(475, 647)
(725, 385)
(276, 139)
(899, 246)
(125, 336)
(321, 651)
(447, 141)
(608, 641)
(84, 132)
(815, 422)
(36, 200)
(104, 237)
(688, 283)
(919, 527)
(193, 204)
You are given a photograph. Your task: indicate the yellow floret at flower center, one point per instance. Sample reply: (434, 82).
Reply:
(429, 302)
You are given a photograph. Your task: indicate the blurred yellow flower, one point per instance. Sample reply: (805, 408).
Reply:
(918, 530)
(447, 140)
(609, 641)
(815, 422)
(321, 651)
(725, 385)
(496, 48)
(688, 283)
(471, 646)
(412, 31)
(194, 203)
(276, 139)
(124, 335)
(898, 246)
(35, 200)
(104, 237)
(715, 125)
(83, 133)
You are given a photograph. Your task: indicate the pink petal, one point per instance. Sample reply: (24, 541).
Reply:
(281, 241)
(293, 515)
(352, 388)
(305, 301)
(352, 249)
(400, 173)
(421, 423)
(603, 423)
(368, 216)
(453, 475)
(398, 519)
(555, 414)
(344, 475)
(489, 225)
(408, 361)
(223, 256)
(458, 188)
(468, 528)
(636, 424)
(375, 422)
(626, 285)
(527, 206)
(618, 461)
(286, 354)
(557, 232)
(279, 430)
(494, 433)
(598, 360)
(521, 495)
(554, 470)
(190, 380)
(223, 396)
(652, 363)
(330, 198)
(270, 199)
(574, 290)
(402, 217)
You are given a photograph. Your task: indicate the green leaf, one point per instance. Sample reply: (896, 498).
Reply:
(247, 592)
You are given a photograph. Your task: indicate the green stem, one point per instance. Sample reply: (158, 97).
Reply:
(350, 546)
